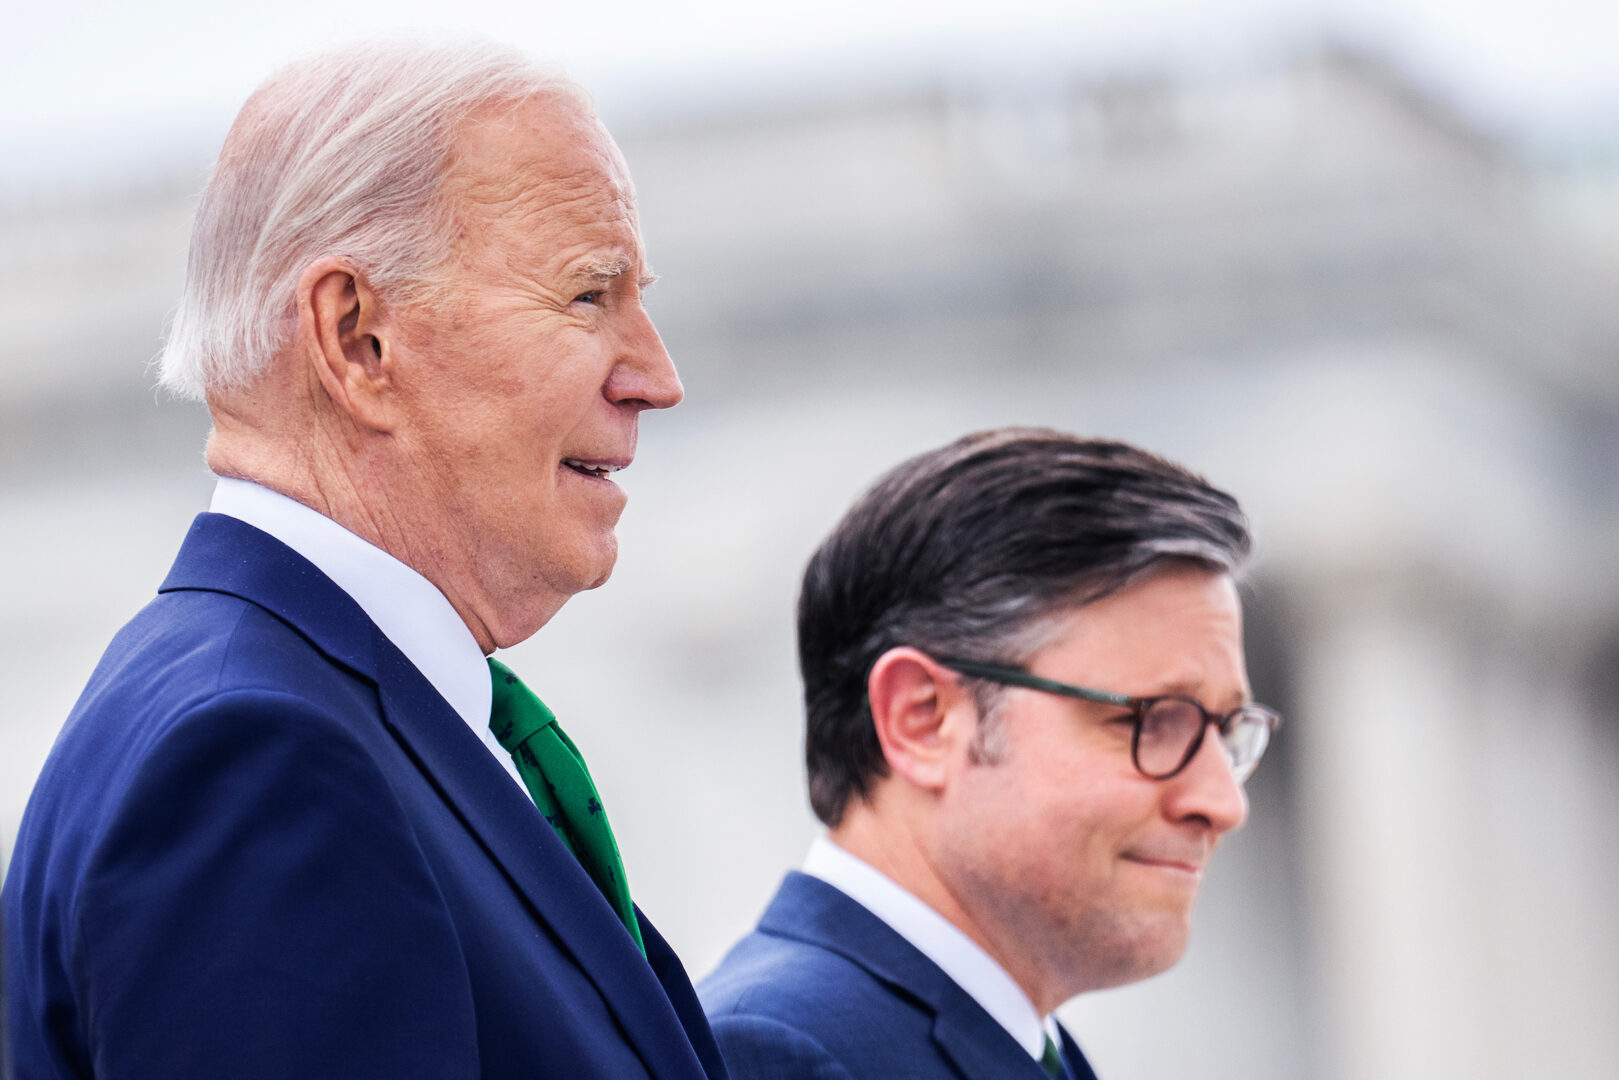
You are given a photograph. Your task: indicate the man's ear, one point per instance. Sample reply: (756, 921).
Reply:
(922, 715)
(347, 341)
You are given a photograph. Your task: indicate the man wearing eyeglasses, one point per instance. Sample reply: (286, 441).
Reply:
(1028, 726)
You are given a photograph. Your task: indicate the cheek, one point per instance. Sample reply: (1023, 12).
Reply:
(1032, 823)
(1087, 820)
(507, 383)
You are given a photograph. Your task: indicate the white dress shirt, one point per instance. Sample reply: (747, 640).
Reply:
(935, 937)
(406, 607)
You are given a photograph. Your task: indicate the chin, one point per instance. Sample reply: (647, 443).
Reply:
(1130, 950)
(1162, 946)
(606, 562)
(574, 557)
(1136, 967)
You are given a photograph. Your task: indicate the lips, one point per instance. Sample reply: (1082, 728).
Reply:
(1184, 862)
(600, 470)
(1159, 864)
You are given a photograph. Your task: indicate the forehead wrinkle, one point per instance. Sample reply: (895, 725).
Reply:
(510, 193)
(495, 167)
(524, 210)
(549, 136)
(578, 198)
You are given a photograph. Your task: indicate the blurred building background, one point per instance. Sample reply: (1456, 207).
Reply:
(1390, 332)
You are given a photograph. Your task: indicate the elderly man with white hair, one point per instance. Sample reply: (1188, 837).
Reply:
(299, 824)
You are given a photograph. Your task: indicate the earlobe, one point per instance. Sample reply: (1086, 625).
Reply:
(346, 341)
(916, 709)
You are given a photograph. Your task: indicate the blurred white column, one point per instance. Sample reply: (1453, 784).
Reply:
(1461, 852)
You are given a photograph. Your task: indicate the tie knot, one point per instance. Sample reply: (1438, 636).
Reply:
(514, 713)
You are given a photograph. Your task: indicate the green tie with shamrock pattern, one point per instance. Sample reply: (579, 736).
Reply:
(560, 785)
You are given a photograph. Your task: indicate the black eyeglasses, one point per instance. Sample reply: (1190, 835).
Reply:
(1168, 729)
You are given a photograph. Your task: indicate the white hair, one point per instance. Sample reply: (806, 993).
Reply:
(343, 153)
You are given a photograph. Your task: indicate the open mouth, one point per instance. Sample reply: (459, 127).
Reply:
(601, 470)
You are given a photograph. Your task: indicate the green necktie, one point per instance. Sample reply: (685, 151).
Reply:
(1051, 1058)
(560, 785)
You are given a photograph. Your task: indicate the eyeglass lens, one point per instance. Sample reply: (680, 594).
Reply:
(1171, 729)
(1245, 740)
(1168, 728)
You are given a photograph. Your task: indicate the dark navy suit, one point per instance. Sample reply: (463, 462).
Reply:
(825, 990)
(264, 846)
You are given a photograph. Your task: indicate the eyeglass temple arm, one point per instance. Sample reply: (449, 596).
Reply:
(1014, 677)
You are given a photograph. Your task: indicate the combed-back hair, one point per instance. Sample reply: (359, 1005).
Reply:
(973, 550)
(344, 153)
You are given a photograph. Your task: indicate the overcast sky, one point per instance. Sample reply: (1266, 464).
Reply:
(83, 78)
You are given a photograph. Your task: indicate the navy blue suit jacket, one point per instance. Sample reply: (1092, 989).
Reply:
(824, 989)
(264, 846)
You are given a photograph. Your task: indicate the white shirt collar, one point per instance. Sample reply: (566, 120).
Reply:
(406, 607)
(935, 937)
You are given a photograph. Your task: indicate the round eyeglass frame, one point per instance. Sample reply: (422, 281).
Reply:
(1260, 718)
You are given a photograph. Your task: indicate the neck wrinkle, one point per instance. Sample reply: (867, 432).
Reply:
(325, 481)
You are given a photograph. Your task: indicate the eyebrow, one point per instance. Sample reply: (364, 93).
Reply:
(607, 270)
(1188, 690)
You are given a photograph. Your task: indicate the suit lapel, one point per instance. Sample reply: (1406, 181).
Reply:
(1078, 1067)
(223, 554)
(810, 910)
(548, 876)
(979, 1046)
(677, 984)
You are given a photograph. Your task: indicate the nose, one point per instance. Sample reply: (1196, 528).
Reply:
(643, 375)
(1206, 790)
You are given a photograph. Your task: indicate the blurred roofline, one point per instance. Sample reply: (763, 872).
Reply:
(133, 157)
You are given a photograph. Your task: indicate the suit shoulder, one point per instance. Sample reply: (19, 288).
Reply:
(762, 1048)
(245, 829)
(783, 1009)
(207, 676)
(188, 648)
(823, 996)
(188, 644)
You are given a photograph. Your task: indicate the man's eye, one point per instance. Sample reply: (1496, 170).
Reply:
(587, 297)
